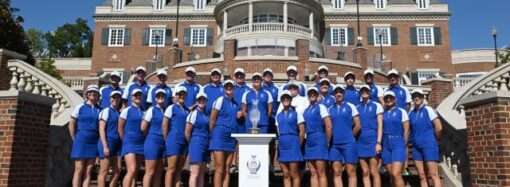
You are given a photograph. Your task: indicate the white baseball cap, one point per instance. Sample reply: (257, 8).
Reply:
(115, 73)
(180, 89)
(135, 91)
(190, 69)
(292, 83)
(368, 71)
(292, 67)
(323, 67)
(256, 74)
(393, 72)
(339, 86)
(389, 93)
(285, 92)
(364, 87)
(313, 88)
(140, 68)
(201, 94)
(92, 88)
(160, 91)
(267, 70)
(115, 92)
(161, 72)
(349, 73)
(228, 82)
(418, 91)
(324, 80)
(217, 70)
(238, 70)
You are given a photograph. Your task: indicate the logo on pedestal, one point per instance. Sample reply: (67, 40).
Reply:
(253, 165)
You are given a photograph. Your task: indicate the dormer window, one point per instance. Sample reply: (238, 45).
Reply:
(423, 4)
(199, 4)
(118, 5)
(159, 4)
(338, 4)
(380, 4)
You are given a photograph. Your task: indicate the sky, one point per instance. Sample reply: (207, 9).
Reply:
(470, 25)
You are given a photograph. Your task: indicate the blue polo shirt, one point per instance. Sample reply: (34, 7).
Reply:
(376, 92)
(105, 92)
(213, 92)
(132, 86)
(152, 94)
(402, 95)
(260, 99)
(192, 90)
(271, 88)
(239, 90)
(351, 95)
(342, 119)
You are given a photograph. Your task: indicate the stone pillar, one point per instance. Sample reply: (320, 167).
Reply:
(303, 54)
(360, 56)
(311, 23)
(440, 89)
(285, 16)
(250, 16)
(174, 56)
(488, 137)
(229, 53)
(6, 55)
(225, 23)
(24, 129)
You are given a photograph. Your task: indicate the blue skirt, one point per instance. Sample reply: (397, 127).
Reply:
(198, 150)
(114, 144)
(316, 147)
(289, 149)
(154, 147)
(132, 144)
(221, 140)
(175, 146)
(85, 145)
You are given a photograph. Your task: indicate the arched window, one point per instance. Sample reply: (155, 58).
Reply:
(379, 4)
(423, 4)
(119, 5)
(159, 4)
(338, 4)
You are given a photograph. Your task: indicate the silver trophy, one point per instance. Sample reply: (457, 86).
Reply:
(254, 116)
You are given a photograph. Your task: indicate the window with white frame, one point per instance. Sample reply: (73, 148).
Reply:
(425, 74)
(159, 4)
(425, 36)
(339, 36)
(198, 37)
(382, 36)
(199, 4)
(119, 5)
(423, 4)
(379, 4)
(157, 37)
(116, 37)
(338, 4)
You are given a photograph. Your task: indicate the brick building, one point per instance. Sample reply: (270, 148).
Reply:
(413, 35)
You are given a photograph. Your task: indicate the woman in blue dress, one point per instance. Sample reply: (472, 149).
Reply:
(425, 131)
(291, 133)
(174, 124)
(318, 135)
(222, 123)
(395, 136)
(154, 146)
(83, 129)
(197, 134)
(326, 97)
(132, 137)
(370, 139)
(110, 144)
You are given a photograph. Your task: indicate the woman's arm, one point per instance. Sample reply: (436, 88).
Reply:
(120, 128)
(102, 136)
(379, 127)
(165, 127)
(144, 127)
(438, 128)
(212, 119)
(406, 131)
(357, 125)
(187, 131)
(329, 131)
(301, 133)
(269, 109)
(71, 127)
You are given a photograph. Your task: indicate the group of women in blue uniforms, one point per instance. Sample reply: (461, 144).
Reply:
(330, 127)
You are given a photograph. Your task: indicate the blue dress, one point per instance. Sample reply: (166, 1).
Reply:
(261, 99)
(375, 92)
(239, 90)
(154, 146)
(271, 88)
(192, 90)
(152, 94)
(226, 124)
(402, 95)
(213, 92)
(199, 142)
(316, 146)
(176, 144)
(289, 149)
(352, 95)
(425, 146)
(343, 147)
(368, 136)
(111, 117)
(302, 88)
(126, 95)
(133, 137)
(105, 92)
(394, 146)
(86, 137)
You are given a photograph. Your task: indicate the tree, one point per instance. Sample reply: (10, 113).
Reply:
(12, 35)
(504, 56)
(70, 40)
(37, 43)
(47, 65)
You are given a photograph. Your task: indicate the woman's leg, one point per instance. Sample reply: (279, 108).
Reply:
(131, 167)
(219, 170)
(314, 176)
(88, 170)
(181, 160)
(396, 174)
(194, 174)
(115, 163)
(201, 175)
(374, 171)
(286, 174)
(295, 174)
(337, 174)
(156, 179)
(104, 165)
(79, 166)
(321, 170)
(229, 159)
(365, 170)
(150, 169)
(433, 173)
(421, 172)
(170, 171)
(351, 173)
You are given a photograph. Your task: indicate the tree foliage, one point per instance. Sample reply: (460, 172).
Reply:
(12, 35)
(47, 65)
(504, 56)
(70, 40)
(37, 42)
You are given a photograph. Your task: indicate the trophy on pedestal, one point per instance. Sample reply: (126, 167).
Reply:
(254, 115)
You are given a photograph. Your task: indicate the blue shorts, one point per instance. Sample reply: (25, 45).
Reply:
(115, 146)
(366, 150)
(221, 140)
(316, 147)
(176, 149)
(344, 153)
(394, 150)
(289, 149)
(199, 150)
(426, 153)
(154, 148)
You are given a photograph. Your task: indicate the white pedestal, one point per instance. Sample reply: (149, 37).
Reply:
(254, 159)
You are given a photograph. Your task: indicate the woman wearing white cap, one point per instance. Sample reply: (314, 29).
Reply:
(197, 134)
(192, 87)
(151, 98)
(110, 143)
(154, 145)
(376, 92)
(325, 93)
(83, 128)
(214, 89)
(174, 124)
(107, 89)
(222, 123)
(260, 100)
(322, 73)
(132, 136)
(240, 87)
(318, 129)
(351, 93)
(138, 83)
(292, 76)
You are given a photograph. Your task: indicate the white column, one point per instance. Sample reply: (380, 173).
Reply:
(249, 51)
(285, 16)
(225, 23)
(286, 51)
(250, 17)
(311, 25)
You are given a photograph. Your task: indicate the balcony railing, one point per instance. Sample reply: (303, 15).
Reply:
(268, 27)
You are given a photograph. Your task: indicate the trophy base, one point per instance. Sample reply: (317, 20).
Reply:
(254, 130)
